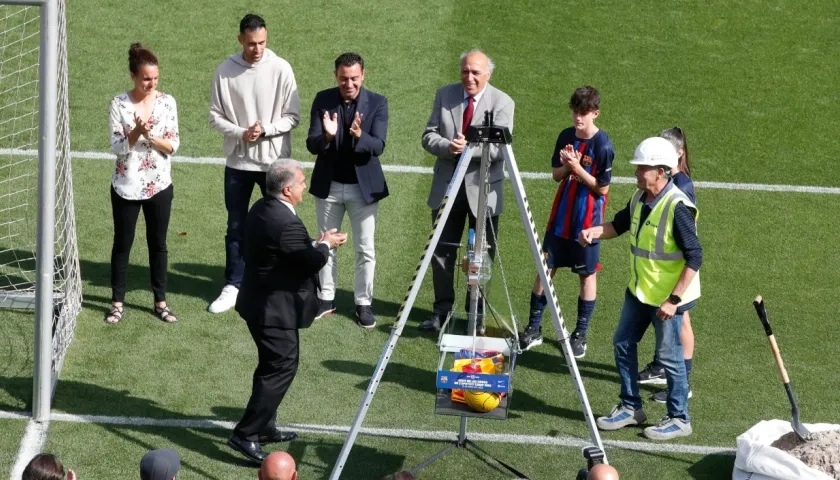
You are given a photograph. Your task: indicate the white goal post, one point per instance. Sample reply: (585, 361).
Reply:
(33, 67)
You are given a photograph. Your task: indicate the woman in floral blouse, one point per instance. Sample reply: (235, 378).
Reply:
(144, 136)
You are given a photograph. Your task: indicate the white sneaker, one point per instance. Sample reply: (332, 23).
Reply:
(226, 300)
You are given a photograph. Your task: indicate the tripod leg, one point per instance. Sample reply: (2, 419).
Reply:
(405, 309)
(548, 286)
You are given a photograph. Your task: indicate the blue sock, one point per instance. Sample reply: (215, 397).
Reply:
(585, 309)
(688, 362)
(538, 304)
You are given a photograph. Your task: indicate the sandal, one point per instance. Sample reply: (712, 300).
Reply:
(115, 314)
(165, 314)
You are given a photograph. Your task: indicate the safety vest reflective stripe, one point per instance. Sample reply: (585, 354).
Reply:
(655, 272)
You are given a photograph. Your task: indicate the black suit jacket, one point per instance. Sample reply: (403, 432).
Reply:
(281, 268)
(366, 150)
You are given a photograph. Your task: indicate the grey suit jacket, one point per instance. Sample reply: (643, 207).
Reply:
(445, 123)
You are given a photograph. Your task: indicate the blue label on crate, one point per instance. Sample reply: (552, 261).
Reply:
(484, 382)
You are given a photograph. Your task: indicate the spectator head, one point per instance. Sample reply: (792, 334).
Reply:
(161, 464)
(45, 466)
(278, 466)
(603, 472)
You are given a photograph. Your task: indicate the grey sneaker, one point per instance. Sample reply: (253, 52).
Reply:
(653, 374)
(662, 395)
(325, 307)
(668, 428)
(364, 316)
(620, 417)
(578, 342)
(531, 337)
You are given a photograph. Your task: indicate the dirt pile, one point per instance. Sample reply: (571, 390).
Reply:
(821, 451)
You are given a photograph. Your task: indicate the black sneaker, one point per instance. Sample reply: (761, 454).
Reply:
(325, 307)
(578, 342)
(653, 374)
(364, 316)
(531, 337)
(662, 395)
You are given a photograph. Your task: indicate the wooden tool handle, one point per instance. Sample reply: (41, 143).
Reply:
(758, 303)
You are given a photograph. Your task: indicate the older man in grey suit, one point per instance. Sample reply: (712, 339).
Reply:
(457, 106)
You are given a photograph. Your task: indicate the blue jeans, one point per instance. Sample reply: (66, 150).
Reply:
(239, 184)
(634, 321)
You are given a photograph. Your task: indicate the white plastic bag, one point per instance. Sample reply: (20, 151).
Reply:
(755, 456)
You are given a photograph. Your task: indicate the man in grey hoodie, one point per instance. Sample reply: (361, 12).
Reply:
(254, 103)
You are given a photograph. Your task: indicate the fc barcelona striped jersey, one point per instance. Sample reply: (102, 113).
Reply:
(576, 207)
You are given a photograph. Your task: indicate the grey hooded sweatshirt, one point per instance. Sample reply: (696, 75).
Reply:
(243, 93)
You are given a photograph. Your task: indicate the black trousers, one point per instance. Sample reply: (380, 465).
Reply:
(277, 350)
(443, 262)
(156, 211)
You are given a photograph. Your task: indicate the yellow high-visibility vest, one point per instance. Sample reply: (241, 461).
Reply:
(656, 262)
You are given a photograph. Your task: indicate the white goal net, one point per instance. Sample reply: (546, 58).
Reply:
(20, 91)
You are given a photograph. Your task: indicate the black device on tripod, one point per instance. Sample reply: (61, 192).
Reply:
(594, 456)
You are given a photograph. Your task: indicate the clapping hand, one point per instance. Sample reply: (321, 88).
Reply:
(330, 124)
(141, 126)
(356, 127)
(253, 133)
(333, 238)
(570, 157)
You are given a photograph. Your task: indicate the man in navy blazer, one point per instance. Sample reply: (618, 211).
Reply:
(347, 130)
(277, 299)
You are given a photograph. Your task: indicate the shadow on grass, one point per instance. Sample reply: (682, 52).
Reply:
(190, 279)
(423, 381)
(81, 398)
(713, 467)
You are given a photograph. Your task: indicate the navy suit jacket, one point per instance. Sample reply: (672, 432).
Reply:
(366, 150)
(280, 282)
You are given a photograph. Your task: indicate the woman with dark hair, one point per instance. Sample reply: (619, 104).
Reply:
(46, 466)
(144, 136)
(654, 372)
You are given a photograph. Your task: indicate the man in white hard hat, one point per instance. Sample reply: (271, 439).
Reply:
(665, 257)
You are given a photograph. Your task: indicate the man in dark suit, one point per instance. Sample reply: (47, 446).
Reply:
(457, 106)
(347, 130)
(277, 298)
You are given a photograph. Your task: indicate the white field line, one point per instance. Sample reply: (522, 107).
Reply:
(758, 187)
(341, 430)
(31, 445)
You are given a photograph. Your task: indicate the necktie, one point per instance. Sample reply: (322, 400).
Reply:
(468, 114)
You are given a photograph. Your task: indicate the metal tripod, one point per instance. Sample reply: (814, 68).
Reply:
(485, 137)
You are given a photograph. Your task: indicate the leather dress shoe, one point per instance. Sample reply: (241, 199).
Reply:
(276, 436)
(251, 450)
(431, 325)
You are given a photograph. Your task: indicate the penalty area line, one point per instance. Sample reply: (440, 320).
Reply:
(31, 445)
(434, 435)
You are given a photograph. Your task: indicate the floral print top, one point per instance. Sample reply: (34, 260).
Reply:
(142, 171)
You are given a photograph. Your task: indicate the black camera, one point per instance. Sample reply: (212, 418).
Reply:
(593, 456)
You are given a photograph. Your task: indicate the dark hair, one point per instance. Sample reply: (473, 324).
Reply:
(585, 99)
(138, 55)
(45, 466)
(677, 138)
(251, 22)
(349, 59)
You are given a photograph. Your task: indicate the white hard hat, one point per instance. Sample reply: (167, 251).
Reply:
(655, 152)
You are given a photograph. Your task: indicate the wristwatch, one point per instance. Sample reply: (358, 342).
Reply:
(674, 299)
